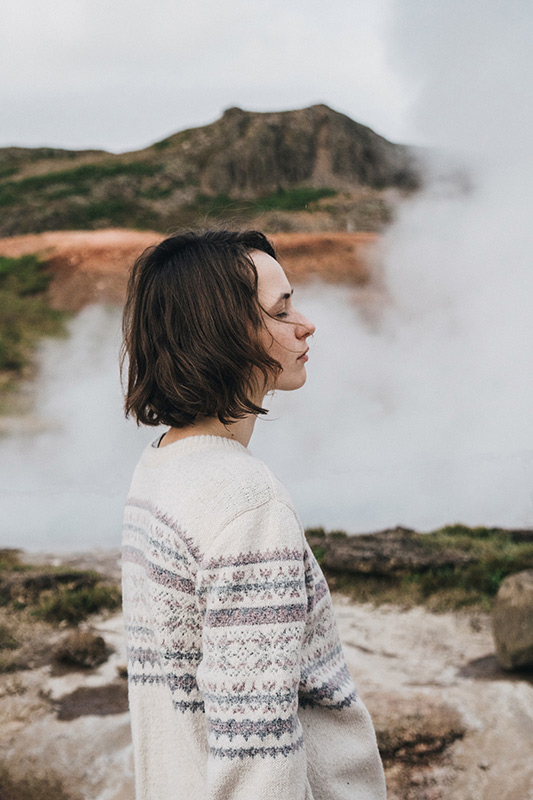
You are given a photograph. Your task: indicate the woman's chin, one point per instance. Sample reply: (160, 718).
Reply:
(290, 384)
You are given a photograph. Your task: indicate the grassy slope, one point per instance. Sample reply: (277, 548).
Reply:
(496, 553)
(140, 194)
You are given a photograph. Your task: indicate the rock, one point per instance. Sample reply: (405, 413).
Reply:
(45, 785)
(413, 728)
(512, 621)
(248, 154)
(81, 649)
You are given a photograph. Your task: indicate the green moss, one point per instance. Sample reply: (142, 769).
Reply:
(88, 172)
(7, 640)
(407, 592)
(162, 144)
(74, 181)
(54, 594)
(8, 196)
(496, 555)
(74, 605)
(26, 314)
(115, 211)
(23, 276)
(47, 594)
(463, 537)
(10, 559)
(315, 532)
(221, 205)
(69, 190)
(157, 192)
(296, 199)
(319, 552)
(7, 172)
(213, 206)
(372, 589)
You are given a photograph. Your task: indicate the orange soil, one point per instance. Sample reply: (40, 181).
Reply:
(93, 266)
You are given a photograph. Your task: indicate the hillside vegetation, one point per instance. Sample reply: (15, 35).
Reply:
(451, 568)
(26, 317)
(310, 169)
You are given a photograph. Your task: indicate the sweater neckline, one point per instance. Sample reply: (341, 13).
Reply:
(195, 443)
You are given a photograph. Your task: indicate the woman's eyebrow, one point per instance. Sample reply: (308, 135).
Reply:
(284, 296)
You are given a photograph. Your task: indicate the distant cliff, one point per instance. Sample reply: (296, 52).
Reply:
(310, 169)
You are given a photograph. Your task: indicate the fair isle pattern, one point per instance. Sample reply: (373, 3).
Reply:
(253, 752)
(228, 616)
(162, 519)
(253, 558)
(156, 554)
(250, 683)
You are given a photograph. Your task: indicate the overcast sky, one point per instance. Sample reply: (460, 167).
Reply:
(121, 75)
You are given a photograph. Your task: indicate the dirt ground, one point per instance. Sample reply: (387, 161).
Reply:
(449, 658)
(93, 266)
(420, 658)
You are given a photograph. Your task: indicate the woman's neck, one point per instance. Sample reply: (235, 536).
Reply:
(241, 430)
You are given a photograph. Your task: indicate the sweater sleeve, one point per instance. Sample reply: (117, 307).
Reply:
(251, 589)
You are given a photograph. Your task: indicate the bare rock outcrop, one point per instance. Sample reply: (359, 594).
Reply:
(512, 621)
(249, 153)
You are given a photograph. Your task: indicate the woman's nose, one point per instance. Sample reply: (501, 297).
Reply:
(305, 327)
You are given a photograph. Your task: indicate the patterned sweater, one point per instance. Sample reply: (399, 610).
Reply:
(238, 686)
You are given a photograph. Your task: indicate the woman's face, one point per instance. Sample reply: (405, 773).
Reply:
(286, 330)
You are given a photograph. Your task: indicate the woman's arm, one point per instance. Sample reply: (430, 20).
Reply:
(251, 591)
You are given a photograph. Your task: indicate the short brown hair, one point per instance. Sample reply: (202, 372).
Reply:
(191, 326)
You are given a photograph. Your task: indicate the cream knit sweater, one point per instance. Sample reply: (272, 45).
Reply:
(237, 683)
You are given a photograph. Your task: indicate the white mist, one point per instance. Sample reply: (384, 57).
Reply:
(420, 417)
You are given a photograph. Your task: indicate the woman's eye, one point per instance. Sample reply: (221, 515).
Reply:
(282, 315)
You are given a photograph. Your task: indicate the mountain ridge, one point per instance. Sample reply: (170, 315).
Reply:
(243, 166)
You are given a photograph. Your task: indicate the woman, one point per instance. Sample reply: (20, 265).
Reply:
(237, 683)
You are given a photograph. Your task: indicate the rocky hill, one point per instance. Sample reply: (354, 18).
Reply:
(311, 169)
(247, 154)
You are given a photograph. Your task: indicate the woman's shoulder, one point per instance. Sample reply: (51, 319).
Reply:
(210, 478)
(249, 515)
(242, 478)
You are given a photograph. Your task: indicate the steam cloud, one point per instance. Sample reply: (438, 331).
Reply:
(420, 416)
(431, 416)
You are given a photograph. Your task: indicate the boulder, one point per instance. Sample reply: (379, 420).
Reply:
(512, 621)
